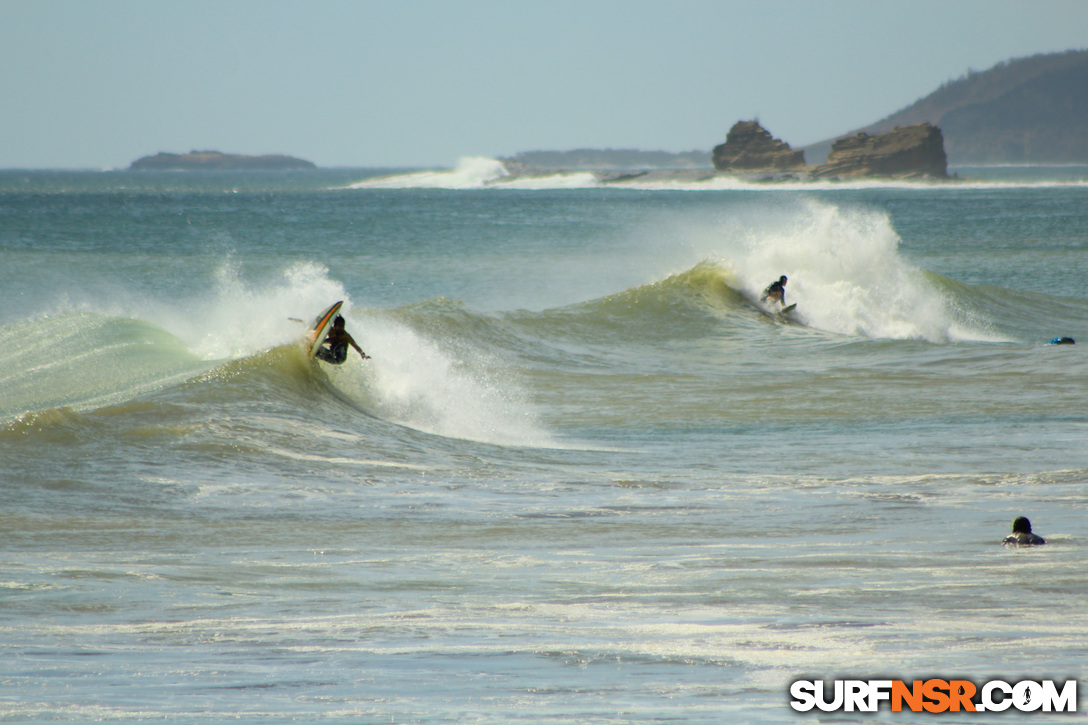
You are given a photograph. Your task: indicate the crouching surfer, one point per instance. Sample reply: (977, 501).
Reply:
(776, 291)
(335, 347)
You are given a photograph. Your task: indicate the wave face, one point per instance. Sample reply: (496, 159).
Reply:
(83, 362)
(482, 293)
(582, 457)
(437, 360)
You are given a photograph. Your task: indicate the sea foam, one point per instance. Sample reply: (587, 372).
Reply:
(472, 172)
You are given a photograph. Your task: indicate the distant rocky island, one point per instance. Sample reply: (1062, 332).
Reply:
(217, 161)
(907, 152)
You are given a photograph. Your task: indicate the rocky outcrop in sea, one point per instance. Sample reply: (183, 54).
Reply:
(751, 154)
(906, 152)
(750, 147)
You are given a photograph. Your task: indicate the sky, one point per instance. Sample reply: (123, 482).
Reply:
(98, 84)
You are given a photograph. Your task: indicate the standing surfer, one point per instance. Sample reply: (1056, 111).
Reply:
(338, 340)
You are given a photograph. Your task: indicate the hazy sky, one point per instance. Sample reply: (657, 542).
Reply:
(100, 83)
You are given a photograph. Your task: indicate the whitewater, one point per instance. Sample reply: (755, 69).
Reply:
(586, 475)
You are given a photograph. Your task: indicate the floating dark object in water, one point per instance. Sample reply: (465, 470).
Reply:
(1063, 341)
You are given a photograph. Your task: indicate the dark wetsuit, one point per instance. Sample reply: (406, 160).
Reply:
(336, 353)
(776, 291)
(1024, 538)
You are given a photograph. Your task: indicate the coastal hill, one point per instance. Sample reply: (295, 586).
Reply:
(1024, 111)
(216, 161)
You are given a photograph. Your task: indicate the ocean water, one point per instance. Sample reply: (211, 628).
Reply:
(584, 478)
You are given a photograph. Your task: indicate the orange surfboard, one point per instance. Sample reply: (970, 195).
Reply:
(320, 328)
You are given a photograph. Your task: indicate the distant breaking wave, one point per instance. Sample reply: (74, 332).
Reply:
(472, 172)
(479, 172)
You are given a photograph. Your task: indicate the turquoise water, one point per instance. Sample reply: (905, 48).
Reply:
(583, 478)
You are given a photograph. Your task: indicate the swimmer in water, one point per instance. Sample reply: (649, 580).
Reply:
(1021, 534)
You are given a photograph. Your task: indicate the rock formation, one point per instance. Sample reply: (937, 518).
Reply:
(906, 152)
(750, 147)
(216, 161)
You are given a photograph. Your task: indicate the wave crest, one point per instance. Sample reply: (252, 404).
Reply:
(471, 172)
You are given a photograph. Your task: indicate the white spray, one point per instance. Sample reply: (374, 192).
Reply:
(472, 172)
(415, 382)
(845, 272)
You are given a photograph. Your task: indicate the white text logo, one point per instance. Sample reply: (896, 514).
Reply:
(934, 695)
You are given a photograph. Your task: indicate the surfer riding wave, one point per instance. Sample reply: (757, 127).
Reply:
(337, 343)
(776, 291)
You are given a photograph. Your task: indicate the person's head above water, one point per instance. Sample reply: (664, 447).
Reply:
(782, 279)
(1022, 534)
(338, 323)
(1021, 525)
